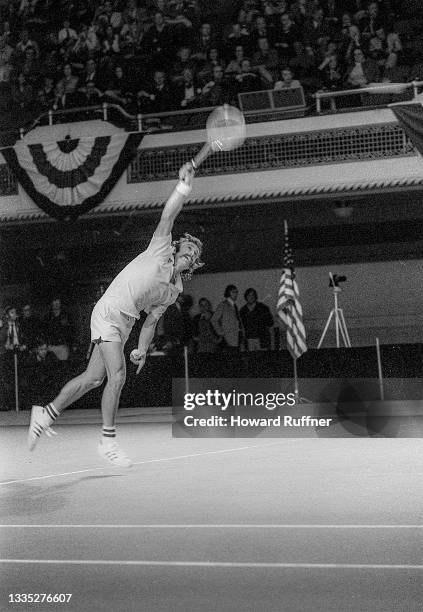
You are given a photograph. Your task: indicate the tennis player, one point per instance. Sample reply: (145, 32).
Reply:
(151, 282)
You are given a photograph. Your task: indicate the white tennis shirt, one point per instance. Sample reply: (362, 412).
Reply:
(144, 284)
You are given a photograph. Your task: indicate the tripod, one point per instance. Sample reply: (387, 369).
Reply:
(340, 325)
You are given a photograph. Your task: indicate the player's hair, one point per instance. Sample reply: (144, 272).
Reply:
(197, 263)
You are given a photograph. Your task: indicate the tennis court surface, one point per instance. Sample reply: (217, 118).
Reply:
(251, 524)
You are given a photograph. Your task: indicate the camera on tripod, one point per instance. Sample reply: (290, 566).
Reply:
(335, 279)
(341, 331)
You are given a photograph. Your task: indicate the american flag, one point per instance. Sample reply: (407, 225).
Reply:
(288, 306)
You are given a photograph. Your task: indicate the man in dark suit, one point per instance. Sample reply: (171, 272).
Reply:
(160, 98)
(157, 42)
(10, 331)
(59, 330)
(247, 80)
(42, 374)
(30, 327)
(10, 345)
(217, 91)
(256, 320)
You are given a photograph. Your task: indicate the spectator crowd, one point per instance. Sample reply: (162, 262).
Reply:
(39, 347)
(24, 331)
(167, 55)
(45, 347)
(228, 329)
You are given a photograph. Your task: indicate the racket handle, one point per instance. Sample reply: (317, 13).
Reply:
(202, 155)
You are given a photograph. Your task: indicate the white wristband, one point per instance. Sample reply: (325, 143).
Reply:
(183, 188)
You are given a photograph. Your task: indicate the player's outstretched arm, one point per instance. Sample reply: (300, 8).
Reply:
(173, 206)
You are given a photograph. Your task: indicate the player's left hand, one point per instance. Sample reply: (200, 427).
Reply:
(138, 358)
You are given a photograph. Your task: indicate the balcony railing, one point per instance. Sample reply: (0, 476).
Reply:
(374, 95)
(169, 121)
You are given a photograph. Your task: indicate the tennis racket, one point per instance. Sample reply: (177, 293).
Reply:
(226, 130)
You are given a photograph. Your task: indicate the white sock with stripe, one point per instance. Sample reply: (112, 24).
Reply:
(51, 412)
(108, 434)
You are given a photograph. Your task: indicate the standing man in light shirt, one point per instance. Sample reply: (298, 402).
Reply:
(151, 282)
(226, 321)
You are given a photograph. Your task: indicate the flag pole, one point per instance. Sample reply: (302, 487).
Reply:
(291, 313)
(296, 391)
(298, 398)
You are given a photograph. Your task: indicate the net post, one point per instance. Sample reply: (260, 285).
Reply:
(15, 358)
(186, 369)
(379, 371)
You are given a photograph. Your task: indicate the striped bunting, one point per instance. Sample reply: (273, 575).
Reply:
(288, 307)
(68, 178)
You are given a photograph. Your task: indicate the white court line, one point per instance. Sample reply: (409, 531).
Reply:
(226, 450)
(211, 564)
(208, 526)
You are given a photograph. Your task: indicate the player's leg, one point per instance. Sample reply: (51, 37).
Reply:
(115, 366)
(114, 361)
(43, 417)
(91, 378)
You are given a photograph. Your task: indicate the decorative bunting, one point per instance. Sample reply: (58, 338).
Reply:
(68, 178)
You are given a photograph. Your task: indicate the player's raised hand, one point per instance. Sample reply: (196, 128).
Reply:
(138, 358)
(186, 173)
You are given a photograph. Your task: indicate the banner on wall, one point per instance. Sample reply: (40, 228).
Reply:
(68, 178)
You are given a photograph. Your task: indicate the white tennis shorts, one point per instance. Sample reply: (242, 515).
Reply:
(110, 324)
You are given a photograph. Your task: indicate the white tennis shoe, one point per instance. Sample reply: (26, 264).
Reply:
(39, 424)
(111, 452)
